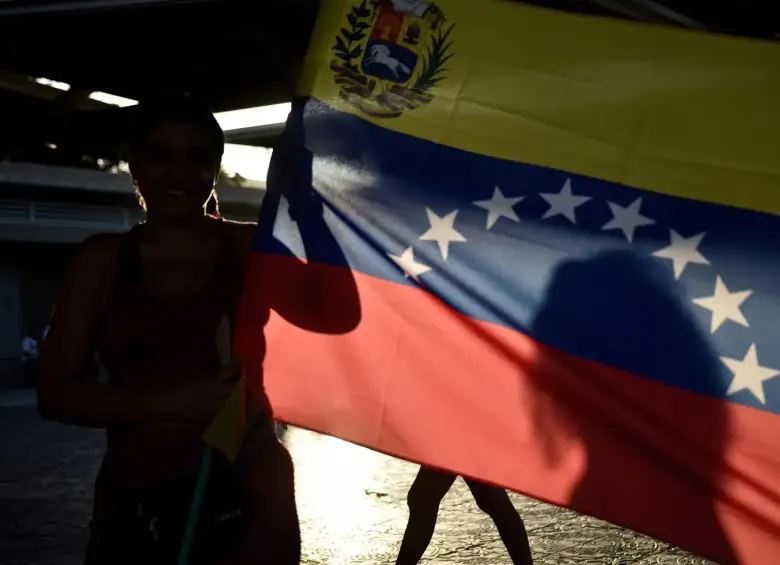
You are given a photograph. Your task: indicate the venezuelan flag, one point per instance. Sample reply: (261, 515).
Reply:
(563, 235)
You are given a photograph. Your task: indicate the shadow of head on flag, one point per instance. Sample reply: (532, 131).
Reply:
(654, 452)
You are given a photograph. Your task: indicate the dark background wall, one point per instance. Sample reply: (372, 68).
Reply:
(30, 275)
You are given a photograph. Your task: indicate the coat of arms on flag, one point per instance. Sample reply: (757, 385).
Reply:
(390, 54)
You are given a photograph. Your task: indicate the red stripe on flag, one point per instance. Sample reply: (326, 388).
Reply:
(422, 382)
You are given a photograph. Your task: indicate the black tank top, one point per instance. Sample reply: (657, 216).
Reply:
(147, 340)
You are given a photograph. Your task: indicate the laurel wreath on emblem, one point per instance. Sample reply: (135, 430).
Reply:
(362, 91)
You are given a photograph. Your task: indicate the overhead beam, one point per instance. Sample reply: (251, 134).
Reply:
(60, 7)
(62, 110)
(648, 11)
(263, 136)
(22, 84)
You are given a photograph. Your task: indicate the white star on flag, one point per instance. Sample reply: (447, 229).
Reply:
(627, 219)
(442, 231)
(408, 265)
(749, 375)
(724, 305)
(563, 203)
(683, 250)
(499, 206)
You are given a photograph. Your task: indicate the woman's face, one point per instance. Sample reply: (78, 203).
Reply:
(176, 170)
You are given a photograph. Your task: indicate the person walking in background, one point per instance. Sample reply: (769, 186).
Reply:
(426, 493)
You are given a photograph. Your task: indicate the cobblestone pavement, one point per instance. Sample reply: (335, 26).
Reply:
(351, 502)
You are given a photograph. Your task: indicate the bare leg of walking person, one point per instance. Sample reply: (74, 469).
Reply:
(426, 493)
(495, 503)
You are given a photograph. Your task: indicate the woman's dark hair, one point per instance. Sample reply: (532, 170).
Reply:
(183, 108)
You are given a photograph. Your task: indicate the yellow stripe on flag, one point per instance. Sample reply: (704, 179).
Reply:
(668, 110)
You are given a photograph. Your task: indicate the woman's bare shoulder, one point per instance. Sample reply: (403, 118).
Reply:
(243, 234)
(98, 252)
(93, 265)
(91, 269)
(101, 243)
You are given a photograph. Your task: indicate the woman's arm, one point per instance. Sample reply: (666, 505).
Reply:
(65, 393)
(320, 294)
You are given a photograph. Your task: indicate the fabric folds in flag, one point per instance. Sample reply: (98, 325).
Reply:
(562, 233)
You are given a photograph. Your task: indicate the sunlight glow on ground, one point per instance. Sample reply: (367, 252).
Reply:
(342, 496)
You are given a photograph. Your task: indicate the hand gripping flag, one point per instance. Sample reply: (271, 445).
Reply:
(228, 430)
(564, 238)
